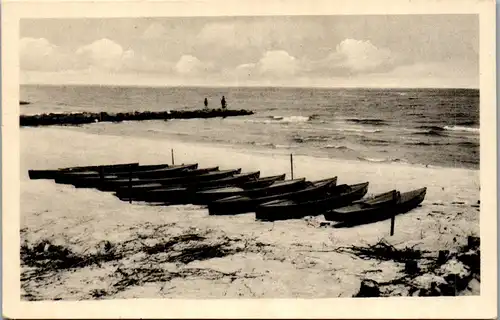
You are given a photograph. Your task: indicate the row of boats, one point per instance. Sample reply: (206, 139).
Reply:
(231, 191)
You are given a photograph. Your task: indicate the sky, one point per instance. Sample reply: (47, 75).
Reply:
(305, 51)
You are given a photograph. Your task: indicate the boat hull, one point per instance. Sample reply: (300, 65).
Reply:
(76, 177)
(244, 204)
(363, 209)
(183, 194)
(209, 196)
(406, 202)
(161, 192)
(113, 184)
(298, 208)
(52, 173)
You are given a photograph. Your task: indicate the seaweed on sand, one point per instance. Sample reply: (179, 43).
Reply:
(44, 261)
(385, 252)
(47, 256)
(443, 274)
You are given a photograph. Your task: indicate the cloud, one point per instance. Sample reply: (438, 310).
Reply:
(360, 56)
(189, 65)
(104, 54)
(39, 54)
(245, 40)
(352, 57)
(272, 64)
(277, 63)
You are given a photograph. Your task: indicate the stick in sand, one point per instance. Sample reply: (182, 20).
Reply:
(130, 184)
(291, 165)
(393, 218)
(172, 152)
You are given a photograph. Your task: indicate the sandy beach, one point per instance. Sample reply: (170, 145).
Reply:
(284, 259)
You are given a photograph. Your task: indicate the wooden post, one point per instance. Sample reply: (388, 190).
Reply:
(172, 152)
(291, 165)
(101, 173)
(393, 218)
(130, 184)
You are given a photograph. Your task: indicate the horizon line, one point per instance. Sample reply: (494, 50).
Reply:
(240, 86)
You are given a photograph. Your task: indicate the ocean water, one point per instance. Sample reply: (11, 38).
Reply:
(429, 127)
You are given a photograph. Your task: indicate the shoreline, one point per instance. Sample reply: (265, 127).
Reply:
(262, 149)
(293, 258)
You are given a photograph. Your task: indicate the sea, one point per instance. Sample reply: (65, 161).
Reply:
(425, 127)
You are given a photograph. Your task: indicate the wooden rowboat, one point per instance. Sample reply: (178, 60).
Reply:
(364, 208)
(52, 173)
(262, 182)
(183, 193)
(139, 189)
(73, 177)
(338, 196)
(113, 183)
(373, 211)
(208, 196)
(243, 204)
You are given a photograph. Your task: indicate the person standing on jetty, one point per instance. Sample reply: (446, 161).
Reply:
(206, 103)
(223, 102)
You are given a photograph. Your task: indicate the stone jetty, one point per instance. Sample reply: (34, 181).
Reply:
(88, 117)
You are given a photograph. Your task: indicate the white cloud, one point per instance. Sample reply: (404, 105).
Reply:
(353, 56)
(189, 65)
(103, 53)
(351, 62)
(277, 63)
(39, 54)
(359, 55)
(272, 64)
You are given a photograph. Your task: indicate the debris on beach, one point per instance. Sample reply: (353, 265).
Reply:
(144, 258)
(445, 274)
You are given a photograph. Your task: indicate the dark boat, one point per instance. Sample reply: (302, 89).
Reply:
(236, 180)
(244, 204)
(73, 177)
(52, 173)
(70, 177)
(110, 183)
(170, 171)
(361, 213)
(262, 182)
(364, 208)
(208, 196)
(338, 196)
(183, 193)
(184, 182)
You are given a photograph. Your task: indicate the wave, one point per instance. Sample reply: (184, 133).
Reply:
(375, 142)
(300, 139)
(466, 123)
(435, 128)
(461, 143)
(373, 122)
(431, 133)
(291, 118)
(262, 144)
(461, 128)
(358, 130)
(383, 160)
(330, 146)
